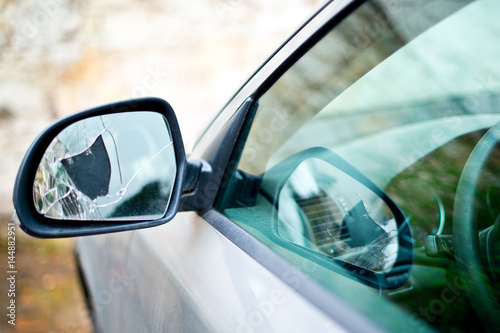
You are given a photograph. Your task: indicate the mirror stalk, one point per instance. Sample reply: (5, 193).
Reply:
(193, 171)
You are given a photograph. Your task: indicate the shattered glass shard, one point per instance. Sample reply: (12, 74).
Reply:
(90, 171)
(362, 229)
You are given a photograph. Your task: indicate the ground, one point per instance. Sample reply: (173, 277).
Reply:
(48, 296)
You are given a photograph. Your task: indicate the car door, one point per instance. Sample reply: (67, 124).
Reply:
(326, 201)
(370, 165)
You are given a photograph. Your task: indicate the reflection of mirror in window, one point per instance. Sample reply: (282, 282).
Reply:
(326, 210)
(118, 166)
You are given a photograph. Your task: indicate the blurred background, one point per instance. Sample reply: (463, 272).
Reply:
(61, 56)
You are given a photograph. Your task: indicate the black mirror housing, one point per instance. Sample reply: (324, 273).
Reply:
(38, 224)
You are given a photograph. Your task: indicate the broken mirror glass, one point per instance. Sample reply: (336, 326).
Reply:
(327, 210)
(116, 166)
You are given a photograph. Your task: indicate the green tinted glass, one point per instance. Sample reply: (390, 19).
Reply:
(372, 165)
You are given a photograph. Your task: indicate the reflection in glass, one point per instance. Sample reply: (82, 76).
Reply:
(118, 166)
(328, 211)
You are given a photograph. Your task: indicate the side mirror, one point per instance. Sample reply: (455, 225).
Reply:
(112, 168)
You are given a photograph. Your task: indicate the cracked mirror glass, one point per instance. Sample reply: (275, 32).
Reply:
(112, 167)
(328, 211)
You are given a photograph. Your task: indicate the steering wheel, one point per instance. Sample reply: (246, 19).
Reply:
(466, 234)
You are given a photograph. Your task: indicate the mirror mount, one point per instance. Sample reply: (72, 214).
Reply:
(194, 195)
(193, 172)
(37, 223)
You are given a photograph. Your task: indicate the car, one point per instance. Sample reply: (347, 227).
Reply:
(352, 184)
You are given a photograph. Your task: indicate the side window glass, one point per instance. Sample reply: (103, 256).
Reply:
(371, 164)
